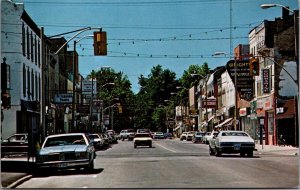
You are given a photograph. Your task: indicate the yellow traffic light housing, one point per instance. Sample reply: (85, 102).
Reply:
(100, 43)
(254, 67)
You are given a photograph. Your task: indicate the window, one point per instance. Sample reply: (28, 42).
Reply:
(28, 83)
(23, 40)
(27, 44)
(35, 49)
(31, 46)
(32, 84)
(24, 81)
(36, 85)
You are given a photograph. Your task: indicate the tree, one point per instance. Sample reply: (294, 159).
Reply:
(155, 89)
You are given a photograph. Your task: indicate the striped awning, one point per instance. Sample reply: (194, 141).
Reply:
(223, 123)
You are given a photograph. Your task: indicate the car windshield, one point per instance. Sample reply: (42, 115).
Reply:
(93, 136)
(65, 140)
(234, 134)
(198, 133)
(142, 135)
(131, 130)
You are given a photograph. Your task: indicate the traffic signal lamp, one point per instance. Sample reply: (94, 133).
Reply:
(100, 43)
(120, 108)
(254, 67)
(5, 100)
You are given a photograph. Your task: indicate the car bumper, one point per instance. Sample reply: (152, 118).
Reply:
(235, 149)
(143, 143)
(63, 164)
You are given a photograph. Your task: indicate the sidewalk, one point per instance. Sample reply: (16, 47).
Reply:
(16, 170)
(278, 150)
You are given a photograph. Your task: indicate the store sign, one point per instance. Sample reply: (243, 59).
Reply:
(243, 111)
(87, 87)
(244, 82)
(266, 80)
(63, 98)
(209, 103)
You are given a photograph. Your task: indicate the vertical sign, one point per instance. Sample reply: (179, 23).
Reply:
(266, 80)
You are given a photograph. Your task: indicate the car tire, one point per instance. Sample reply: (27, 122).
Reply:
(242, 154)
(150, 145)
(122, 138)
(134, 145)
(250, 154)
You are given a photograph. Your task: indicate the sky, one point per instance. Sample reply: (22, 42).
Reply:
(142, 34)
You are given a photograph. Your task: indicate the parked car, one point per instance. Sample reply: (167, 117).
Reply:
(231, 142)
(97, 140)
(168, 135)
(198, 137)
(15, 144)
(113, 135)
(190, 135)
(127, 134)
(183, 136)
(208, 136)
(158, 135)
(142, 139)
(62, 151)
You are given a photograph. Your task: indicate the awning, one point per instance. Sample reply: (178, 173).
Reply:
(289, 110)
(209, 119)
(223, 123)
(177, 128)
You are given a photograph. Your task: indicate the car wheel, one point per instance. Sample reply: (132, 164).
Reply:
(211, 151)
(134, 145)
(250, 154)
(150, 145)
(242, 154)
(122, 138)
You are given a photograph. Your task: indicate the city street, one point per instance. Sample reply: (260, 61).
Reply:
(175, 164)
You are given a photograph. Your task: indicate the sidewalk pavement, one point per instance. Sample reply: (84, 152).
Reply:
(16, 170)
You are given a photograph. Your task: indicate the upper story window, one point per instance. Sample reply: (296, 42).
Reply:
(27, 45)
(31, 46)
(24, 80)
(23, 40)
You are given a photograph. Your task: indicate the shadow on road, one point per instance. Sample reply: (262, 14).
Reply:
(16, 166)
(47, 173)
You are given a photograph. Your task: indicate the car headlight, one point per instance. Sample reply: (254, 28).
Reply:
(81, 155)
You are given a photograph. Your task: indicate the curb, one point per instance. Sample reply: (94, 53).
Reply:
(19, 181)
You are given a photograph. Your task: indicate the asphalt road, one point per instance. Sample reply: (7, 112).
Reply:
(175, 164)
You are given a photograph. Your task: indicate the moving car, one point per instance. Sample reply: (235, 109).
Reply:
(183, 136)
(198, 137)
(113, 135)
(158, 135)
(142, 139)
(231, 142)
(127, 134)
(71, 150)
(15, 144)
(168, 135)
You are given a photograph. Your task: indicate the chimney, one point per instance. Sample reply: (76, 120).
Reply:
(285, 13)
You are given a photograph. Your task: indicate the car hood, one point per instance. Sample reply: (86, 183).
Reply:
(235, 139)
(67, 148)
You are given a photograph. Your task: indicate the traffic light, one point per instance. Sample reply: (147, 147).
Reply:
(254, 67)
(120, 108)
(5, 100)
(100, 43)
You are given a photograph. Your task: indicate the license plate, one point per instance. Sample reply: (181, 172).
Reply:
(237, 147)
(62, 165)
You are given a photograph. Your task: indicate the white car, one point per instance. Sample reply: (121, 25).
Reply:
(158, 135)
(208, 136)
(231, 142)
(190, 135)
(142, 139)
(183, 136)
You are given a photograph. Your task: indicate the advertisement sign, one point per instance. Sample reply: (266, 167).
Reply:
(266, 80)
(244, 81)
(209, 103)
